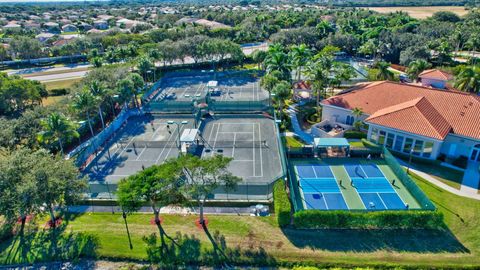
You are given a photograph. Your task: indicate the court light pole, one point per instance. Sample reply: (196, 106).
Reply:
(410, 160)
(178, 130)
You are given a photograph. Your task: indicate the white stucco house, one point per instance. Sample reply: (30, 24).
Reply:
(411, 119)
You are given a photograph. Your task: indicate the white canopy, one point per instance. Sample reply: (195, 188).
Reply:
(212, 84)
(189, 135)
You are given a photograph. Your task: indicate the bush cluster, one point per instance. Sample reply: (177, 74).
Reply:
(353, 134)
(318, 219)
(281, 203)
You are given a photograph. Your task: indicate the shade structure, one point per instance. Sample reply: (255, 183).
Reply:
(331, 142)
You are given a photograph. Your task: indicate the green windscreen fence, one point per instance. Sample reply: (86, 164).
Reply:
(402, 175)
(170, 106)
(238, 106)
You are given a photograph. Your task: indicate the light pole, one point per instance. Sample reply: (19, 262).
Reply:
(178, 130)
(409, 160)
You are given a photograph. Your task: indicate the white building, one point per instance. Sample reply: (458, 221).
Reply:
(423, 121)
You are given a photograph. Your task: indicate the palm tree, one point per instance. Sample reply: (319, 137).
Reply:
(145, 64)
(357, 112)
(100, 93)
(416, 67)
(473, 43)
(384, 72)
(318, 75)
(277, 59)
(299, 56)
(84, 102)
(282, 91)
(57, 127)
(468, 79)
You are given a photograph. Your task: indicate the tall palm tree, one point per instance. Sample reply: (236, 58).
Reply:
(277, 59)
(282, 91)
(126, 88)
(357, 112)
(384, 72)
(416, 67)
(299, 55)
(100, 93)
(144, 65)
(318, 75)
(84, 102)
(57, 127)
(468, 79)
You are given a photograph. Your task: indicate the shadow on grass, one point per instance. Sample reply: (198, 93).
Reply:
(187, 251)
(41, 245)
(365, 240)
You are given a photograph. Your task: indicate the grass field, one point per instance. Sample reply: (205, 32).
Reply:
(104, 236)
(421, 12)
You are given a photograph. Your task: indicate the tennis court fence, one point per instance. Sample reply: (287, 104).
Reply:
(207, 144)
(402, 175)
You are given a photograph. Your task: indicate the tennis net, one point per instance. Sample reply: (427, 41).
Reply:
(206, 144)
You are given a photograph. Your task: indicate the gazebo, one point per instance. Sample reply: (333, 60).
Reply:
(331, 147)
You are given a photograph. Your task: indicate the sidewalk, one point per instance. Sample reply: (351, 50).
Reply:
(429, 178)
(306, 137)
(165, 210)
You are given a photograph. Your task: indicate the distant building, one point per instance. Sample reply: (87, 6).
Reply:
(44, 37)
(12, 26)
(435, 78)
(69, 28)
(83, 26)
(52, 27)
(204, 22)
(100, 25)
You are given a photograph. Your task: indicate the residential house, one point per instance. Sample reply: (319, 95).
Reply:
(12, 26)
(100, 25)
(52, 27)
(44, 37)
(435, 78)
(425, 122)
(83, 26)
(69, 28)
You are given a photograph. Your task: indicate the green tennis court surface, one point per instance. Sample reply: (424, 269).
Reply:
(350, 184)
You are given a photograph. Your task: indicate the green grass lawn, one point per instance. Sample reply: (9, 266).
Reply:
(50, 85)
(104, 236)
(292, 141)
(443, 174)
(357, 144)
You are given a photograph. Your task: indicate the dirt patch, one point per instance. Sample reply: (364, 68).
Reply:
(421, 12)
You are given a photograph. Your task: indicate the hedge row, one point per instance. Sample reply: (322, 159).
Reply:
(281, 203)
(353, 134)
(318, 219)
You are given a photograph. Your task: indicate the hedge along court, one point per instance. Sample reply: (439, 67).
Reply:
(353, 184)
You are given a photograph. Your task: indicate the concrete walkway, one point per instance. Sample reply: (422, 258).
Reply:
(165, 210)
(429, 178)
(306, 137)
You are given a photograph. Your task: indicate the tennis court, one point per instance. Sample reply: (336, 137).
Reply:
(349, 185)
(236, 87)
(129, 150)
(249, 140)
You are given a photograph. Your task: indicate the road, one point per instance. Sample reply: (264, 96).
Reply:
(49, 74)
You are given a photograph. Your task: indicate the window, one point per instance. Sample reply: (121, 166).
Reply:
(398, 143)
(350, 120)
(428, 149)
(374, 135)
(408, 145)
(417, 148)
(389, 143)
(381, 137)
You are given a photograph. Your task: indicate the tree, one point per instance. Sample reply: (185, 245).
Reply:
(156, 185)
(100, 93)
(269, 81)
(203, 176)
(26, 48)
(445, 16)
(56, 127)
(84, 102)
(468, 80)
(384, 72)
(282, 91)
(357, 112)
(318, 75)
(299, 55)
(258, 56)
(416, 67)
(277, 60)
(144, 65)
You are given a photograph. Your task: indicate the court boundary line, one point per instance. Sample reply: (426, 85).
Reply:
(391, 184)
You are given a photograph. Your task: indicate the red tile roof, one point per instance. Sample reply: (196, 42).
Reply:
(414, 116)
(406, 107)
(436, 74)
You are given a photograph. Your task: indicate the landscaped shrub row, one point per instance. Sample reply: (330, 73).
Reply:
(353, 134)
(370, 144)
(281, 203)
(318, 219)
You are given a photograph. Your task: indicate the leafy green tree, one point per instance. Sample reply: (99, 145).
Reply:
(100, 93)
(26, 48)
(357, 112)
(468, 79)
(416, 67)
(269, 81)
(157, 185)
(84, 102)
(203, 176)
(145, 65)
(318, 75)
(282, 91)
(57, 128)
(384, 72)
(277, 60)
(258, 56)
(299, 56)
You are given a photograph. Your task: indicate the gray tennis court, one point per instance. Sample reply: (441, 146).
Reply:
(236, 87)
(250, 141)
(126, 154)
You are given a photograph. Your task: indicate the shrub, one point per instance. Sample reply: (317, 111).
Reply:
(58, 92)
(353, 134)
(370, 144)
(281, 203)
(318, 219)
(461, 162)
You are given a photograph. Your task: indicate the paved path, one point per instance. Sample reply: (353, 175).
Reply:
(165, 210)
(440, 184)
(307, 137)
